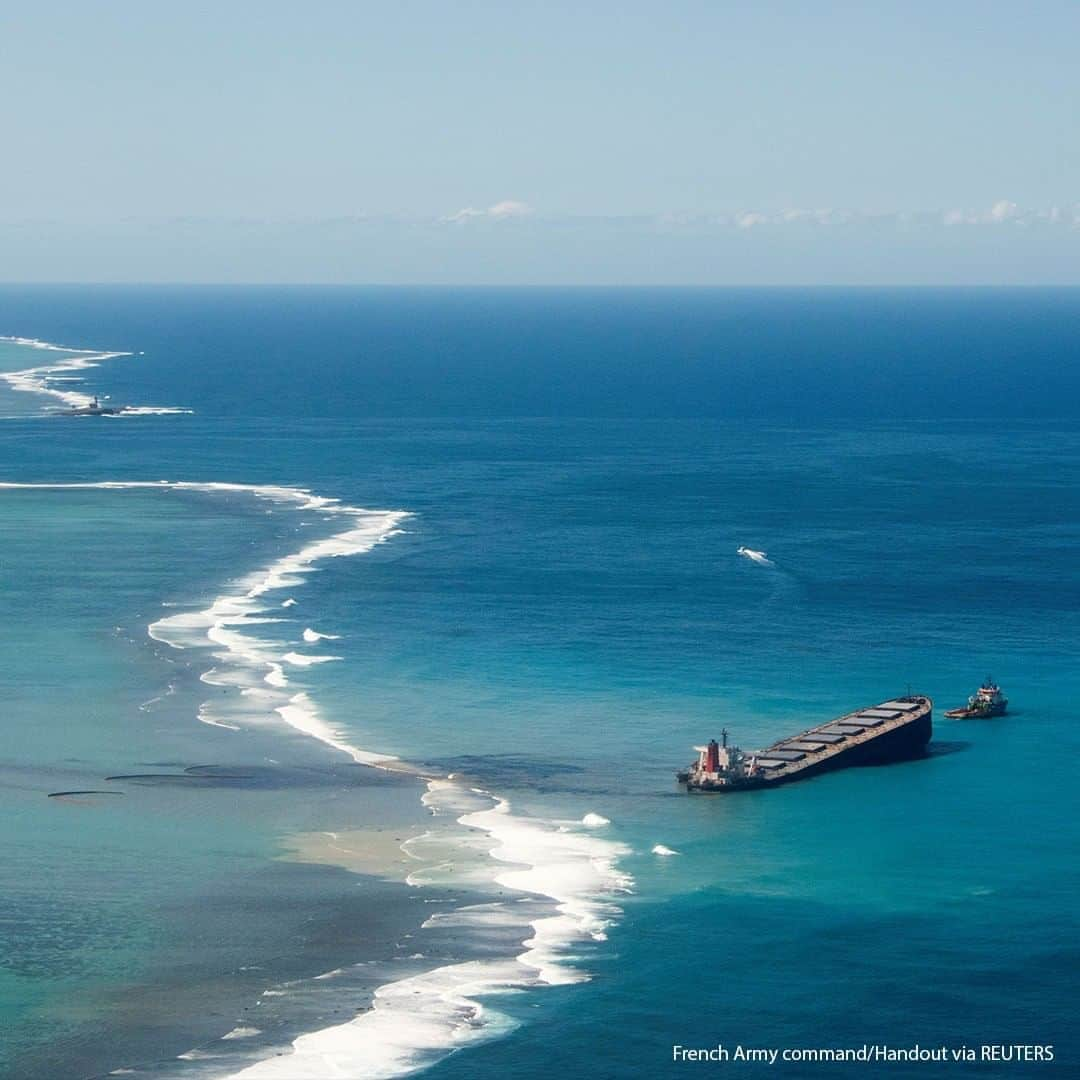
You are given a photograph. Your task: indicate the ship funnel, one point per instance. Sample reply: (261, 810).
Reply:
(712, 757)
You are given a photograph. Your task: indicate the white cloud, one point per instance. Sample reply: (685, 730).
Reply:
(500, 211)
(467, 214)
(1003, 210)
(748, 221)
(509, 208)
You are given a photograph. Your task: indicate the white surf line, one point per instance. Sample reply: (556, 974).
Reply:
(40, 379)
(252, 665)
(416, 1021)
(420, 1019)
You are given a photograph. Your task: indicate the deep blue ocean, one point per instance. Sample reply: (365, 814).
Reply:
(561, 616)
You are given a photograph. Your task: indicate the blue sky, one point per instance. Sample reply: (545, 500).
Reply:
(550, 142)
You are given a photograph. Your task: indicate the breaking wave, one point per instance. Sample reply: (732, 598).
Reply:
(564, 884)
(43, 378)
(230, 628)
(563, 875)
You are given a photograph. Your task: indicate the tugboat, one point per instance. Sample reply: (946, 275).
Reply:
(988, 700)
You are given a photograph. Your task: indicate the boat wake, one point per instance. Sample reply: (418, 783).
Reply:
(44, 378)
(755, 556)
(563, 876)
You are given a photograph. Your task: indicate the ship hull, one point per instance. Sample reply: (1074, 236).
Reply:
(974, 714)
(902, 740)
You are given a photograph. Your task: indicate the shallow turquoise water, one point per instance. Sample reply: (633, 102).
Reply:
(565, 616)
(88, 883)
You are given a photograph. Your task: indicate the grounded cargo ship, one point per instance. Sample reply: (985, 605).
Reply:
(892, 731)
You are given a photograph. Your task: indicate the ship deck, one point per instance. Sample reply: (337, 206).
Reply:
(789, 757)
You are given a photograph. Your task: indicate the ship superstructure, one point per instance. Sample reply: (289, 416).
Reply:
(94, 408)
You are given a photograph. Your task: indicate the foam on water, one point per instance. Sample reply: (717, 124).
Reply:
(563, 876)
(413, 1023)
(755, 556)
(300, 660)
(42, 378)
(151, 410)
(564, 882)
(246, 661)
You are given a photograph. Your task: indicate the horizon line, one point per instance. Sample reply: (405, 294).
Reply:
(773, 286)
